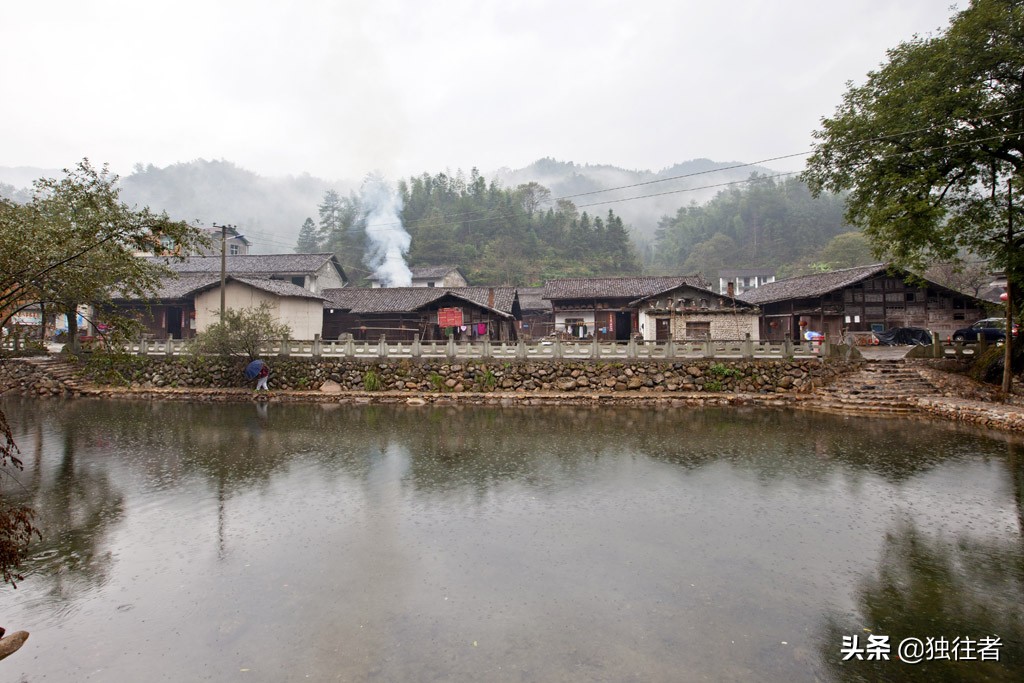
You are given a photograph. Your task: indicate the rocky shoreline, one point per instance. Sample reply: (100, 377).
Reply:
(958, 398)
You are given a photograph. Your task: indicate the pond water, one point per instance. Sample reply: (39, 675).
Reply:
(379, 543)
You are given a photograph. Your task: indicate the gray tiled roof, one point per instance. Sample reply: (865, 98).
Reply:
(398, 299)
(424, 272)
(617, 287)
(172, 287)
(278, 287)
(807, 286)
(727, 301)
(532, 299)
(250, 264)
(184, 286)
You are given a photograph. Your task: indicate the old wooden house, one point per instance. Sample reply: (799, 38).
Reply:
(188, 302)
(686, 312)
(433, 313)
(617, 308)
(870, 298)
(537, 321)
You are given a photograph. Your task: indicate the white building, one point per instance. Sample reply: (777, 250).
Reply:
(742, 280)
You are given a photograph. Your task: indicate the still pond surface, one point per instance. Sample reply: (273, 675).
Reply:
(378, 543)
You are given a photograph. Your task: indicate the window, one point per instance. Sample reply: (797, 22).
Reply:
(430, 284)
(299, 280)
(698, 330)
(233, 249)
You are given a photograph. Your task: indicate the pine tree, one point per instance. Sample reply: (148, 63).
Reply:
(307, 242)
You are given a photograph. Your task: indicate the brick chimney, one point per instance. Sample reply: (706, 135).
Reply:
(490, 297)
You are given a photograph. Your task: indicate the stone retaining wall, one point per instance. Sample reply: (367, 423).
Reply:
(408, 376)
(698, 383)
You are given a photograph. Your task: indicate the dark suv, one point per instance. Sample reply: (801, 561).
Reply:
(991, 330)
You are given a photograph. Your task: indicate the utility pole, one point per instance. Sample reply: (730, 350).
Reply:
(223, 262)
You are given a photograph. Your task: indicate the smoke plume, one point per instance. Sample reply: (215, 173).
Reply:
(388, 242)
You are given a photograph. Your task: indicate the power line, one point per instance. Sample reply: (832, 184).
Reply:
(448, 220)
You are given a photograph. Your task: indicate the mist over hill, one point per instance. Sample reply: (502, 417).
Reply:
(270, 211)
(695, 181)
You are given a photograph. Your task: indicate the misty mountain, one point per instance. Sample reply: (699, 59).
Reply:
(270, 211)
(21, 177)
(696, 181)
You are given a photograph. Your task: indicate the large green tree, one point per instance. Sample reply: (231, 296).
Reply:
(74, 242)
(931, 146)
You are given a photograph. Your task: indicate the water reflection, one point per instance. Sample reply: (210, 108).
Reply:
(77, 505)
(416, 543)
(936, 587)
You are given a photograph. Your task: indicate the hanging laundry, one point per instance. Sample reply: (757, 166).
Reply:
(481, 328)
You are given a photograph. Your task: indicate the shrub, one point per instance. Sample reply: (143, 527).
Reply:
(372, 381)
(242, 333)
(722, 370)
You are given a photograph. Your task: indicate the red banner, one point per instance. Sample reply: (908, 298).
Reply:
(449, 317)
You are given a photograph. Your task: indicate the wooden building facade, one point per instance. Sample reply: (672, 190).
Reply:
(606, 308)
(871, 298)
(401, 313)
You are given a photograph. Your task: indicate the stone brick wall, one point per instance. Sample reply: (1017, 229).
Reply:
(713, 375)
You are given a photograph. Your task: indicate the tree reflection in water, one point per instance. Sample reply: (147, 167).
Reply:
(935, 587)
(77, 507)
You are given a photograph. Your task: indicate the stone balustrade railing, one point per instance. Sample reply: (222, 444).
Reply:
(571, 350)
(543, 350)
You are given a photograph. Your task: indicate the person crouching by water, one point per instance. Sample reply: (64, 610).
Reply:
(259, 371)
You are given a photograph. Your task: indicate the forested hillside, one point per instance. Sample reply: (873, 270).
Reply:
(497, 235)
(650, 194)
(764, 223)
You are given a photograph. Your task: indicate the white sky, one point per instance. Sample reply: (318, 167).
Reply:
(340, 88)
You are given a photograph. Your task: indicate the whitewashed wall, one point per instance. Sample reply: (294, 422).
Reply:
(304, 316)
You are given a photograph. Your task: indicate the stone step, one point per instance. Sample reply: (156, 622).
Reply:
(881, 388)
(859, 409)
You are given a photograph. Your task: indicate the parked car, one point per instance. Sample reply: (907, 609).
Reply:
(990, 329)
(905, 336)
